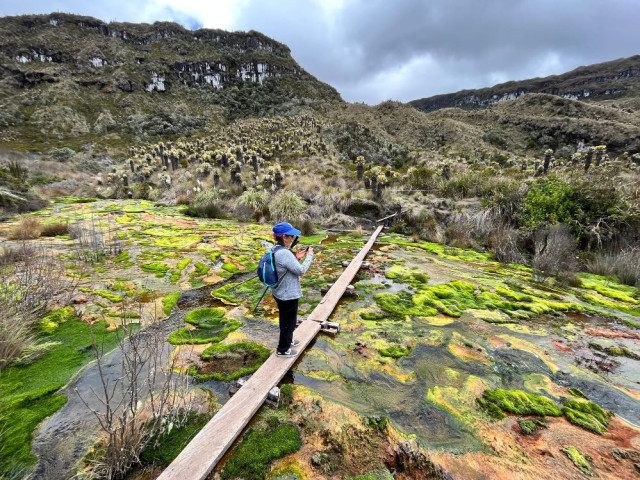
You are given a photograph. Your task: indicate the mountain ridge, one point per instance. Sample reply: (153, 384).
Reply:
(602, 81)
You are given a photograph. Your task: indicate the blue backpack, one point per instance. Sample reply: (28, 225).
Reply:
(267, 272)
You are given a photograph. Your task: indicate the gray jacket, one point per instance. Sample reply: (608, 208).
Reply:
(289, 269)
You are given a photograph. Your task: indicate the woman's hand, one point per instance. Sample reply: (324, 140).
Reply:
(302, 253)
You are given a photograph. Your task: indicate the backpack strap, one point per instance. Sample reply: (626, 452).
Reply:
(273, 259)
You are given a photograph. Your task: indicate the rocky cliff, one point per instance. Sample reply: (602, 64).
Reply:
(611, 80)
(65, 75)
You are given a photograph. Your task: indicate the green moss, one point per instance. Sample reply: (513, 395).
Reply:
(230, 267)
(200, 270)
(210, 329)
(522, 403)
(113, 297)
(183, 242)
(240, 359)
(236, 293)
(615, 351)
(578, 459)
(451, 298)
(401, 304)
(587, 415)
(528, 427)
(205, 317)
(610, 304)
(258, 449)
(159, 268)
(405, 275)
(173, 442)
(609, 288)
(378, 474)
(395, 351)
(180, 266)
(577, 393)
(170, 301)
(368, 287)
(491, 408)
(29, 391)
(631, 323)
(155, 255)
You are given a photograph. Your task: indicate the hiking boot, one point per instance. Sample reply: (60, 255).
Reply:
(289, 353)
(295, 343)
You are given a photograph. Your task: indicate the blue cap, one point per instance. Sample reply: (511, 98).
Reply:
(285, 228)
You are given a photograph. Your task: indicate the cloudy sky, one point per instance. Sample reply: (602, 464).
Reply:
(375, 50)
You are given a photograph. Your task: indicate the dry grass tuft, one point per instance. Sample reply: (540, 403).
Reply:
(54, 229)
(27, 228)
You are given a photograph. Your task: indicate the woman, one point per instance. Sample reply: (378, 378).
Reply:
(288, 290)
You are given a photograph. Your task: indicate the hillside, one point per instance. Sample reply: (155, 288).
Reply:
(617, 80)
(72, 77)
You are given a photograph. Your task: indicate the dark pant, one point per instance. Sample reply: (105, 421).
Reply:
(288, 314)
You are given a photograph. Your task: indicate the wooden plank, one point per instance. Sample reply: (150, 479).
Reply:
(324, 309)
(207, 448)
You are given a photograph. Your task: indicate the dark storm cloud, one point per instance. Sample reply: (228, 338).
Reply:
(443, 46)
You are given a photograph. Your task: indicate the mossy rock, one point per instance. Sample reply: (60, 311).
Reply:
(205, 317)
(258, 449)
(587, 415)
(529, 427)
(402, 303)
(578, 459)
(395, 351)
(159, 268)
(229, 362)
(522, 403)
(406, 275)
(216, 330)
(170, 301)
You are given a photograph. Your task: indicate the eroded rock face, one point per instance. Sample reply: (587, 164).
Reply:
(208, 57)
(606, 79)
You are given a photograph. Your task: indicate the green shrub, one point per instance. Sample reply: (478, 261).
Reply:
(206, 204)
(286, 206)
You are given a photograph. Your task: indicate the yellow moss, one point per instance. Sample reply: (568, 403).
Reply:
(288, 467)
(537, 382)
(490, 316)
(525, 329)
(322, 375)
(459, 401)
(437, 321)
(434, 337)
(403, 377)
(236, 336)
(451, 374)
(529, 347)
(468, 354)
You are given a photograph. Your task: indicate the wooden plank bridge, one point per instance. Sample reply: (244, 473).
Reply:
(206, 449)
